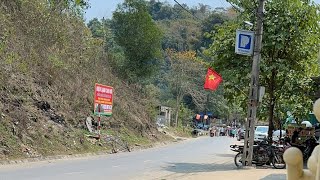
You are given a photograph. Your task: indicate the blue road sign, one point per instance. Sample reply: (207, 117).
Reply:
(244, 42)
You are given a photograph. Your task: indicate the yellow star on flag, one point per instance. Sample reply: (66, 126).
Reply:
(211, 77)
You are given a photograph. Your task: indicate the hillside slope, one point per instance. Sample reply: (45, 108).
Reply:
(49, 64)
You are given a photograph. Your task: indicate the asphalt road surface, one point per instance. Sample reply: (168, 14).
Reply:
(170, 162)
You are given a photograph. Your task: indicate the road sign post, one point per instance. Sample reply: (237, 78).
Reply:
(103, 97)
(254, 90)
(99, 121)
(244, 42)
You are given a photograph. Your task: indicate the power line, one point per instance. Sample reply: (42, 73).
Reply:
(241, 10)
(187, 10)
(235, 7)
(224, 4)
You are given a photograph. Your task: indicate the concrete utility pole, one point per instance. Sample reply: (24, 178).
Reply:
(254, 89)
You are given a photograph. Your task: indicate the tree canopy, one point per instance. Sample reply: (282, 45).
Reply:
(184, 33)
(139, 36)
(289, 56)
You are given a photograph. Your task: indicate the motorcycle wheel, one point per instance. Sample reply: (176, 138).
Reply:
(278, 162)
(238, 160)
(260, 164)
(307, 153)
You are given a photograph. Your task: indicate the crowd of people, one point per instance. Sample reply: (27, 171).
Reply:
(224, 131)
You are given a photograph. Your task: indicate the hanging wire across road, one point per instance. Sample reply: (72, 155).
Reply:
(187, 10)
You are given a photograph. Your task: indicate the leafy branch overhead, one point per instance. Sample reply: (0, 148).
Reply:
(289, 56)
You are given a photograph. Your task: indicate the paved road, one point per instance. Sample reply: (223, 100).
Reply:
(171, 162)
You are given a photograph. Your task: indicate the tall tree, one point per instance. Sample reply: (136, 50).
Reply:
(181, 35)
(208, 25)
(139, 36)
(96, 28)
(186, 80)
(181, 82)
(76, 7)
(289, 56)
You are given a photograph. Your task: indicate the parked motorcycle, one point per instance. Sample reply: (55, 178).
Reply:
(306, 147)
(310, 144)
(263, 153)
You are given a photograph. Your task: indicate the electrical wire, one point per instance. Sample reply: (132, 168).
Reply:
(187, 10)
(235, 7)
(223, 3)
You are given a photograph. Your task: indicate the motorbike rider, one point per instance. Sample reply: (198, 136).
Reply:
(295, 135)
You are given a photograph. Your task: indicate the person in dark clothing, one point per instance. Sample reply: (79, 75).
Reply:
(295, 135)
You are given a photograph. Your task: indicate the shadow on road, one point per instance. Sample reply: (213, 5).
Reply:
(275, 177)
(226, 155)
(194, 167)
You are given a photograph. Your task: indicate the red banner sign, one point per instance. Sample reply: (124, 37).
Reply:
(103, 100)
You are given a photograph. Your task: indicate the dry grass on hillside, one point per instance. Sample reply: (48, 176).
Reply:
(49, 64)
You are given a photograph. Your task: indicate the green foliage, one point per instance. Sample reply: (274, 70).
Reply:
(164, 11)
(187, 30)
(47, 54)
(74, 7)
(101, 30)
(235, 69)
(185, 116)
(181, 34)
(289, 57)
(140, 38)
(182, 80)
(151, 101)
(8, 141)
(315, 92)
(160, 10)
(208, 26)
(97, 29)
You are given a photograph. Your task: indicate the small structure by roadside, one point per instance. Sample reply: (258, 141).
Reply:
(164, 116)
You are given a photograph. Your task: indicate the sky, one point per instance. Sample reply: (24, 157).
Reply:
(104, 8)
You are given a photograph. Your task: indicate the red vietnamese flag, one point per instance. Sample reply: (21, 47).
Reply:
(213, 79)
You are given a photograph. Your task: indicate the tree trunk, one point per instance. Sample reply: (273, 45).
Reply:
(272, 102)
(271, 118)
(177, 115)
(177, 110)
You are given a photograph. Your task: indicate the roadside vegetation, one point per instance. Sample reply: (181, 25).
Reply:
(152, 53)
